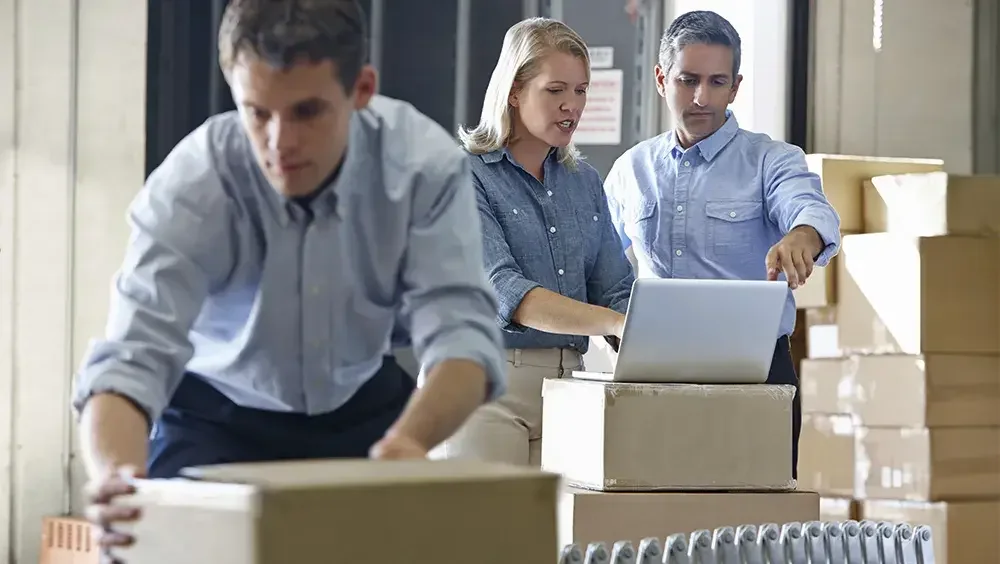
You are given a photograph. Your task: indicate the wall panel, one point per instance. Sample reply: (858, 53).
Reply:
(72, 109)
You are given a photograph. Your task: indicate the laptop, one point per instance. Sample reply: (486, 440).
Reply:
(698, 332)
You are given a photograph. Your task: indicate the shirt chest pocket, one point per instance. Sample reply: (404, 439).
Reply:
(734, 227)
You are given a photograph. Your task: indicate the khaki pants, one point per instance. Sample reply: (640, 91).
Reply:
(510, 429)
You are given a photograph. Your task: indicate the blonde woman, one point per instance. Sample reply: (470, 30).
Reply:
(550, 251)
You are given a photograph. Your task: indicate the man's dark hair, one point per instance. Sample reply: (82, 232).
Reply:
(284, 32)
(703, 27)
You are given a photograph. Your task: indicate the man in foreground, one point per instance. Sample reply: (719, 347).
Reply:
(271, 254)
(710, 200)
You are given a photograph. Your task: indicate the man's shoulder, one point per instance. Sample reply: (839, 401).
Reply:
(195, 168)
(641, 152)
(408, 138)
(762, 145)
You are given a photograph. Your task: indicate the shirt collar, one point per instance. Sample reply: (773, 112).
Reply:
(498, 155)
(712, 145)
(330, 201)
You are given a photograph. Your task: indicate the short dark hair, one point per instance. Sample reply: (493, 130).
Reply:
(283, 32)
(700, 26)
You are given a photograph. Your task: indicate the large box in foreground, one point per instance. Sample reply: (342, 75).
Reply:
(615, 436)
(425, 512)
(588, 516)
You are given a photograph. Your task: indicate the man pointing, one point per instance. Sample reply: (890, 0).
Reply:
(711, 200)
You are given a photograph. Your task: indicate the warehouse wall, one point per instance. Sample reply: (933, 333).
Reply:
(908, 78)
(72, 89)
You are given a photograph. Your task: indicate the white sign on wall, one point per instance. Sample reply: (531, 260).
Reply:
(601, 122)
(601, 57)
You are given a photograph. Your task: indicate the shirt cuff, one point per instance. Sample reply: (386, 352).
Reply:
(475, 348)
(509, 296)
(830, 237)
(147, 401)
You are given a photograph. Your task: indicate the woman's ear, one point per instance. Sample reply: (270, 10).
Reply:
(512, 99)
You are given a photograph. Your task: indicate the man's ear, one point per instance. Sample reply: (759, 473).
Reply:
(736, 88)
(661, 80)
(365, 87)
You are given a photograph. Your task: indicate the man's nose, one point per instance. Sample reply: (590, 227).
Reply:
(282, 135)
(701, 95)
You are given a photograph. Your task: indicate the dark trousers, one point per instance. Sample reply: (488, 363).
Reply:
(783, 372)
(201, 426)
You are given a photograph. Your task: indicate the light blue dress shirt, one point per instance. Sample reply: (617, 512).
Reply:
(715, 209)
(287, 308)
(555, 234)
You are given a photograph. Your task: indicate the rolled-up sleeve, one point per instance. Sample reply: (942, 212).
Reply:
(609, 283)
(180, 242)
(794, 197)
(446, 297)
(504, 274)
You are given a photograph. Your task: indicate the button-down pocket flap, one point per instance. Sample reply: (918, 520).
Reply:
(645, 209)
(733, 210)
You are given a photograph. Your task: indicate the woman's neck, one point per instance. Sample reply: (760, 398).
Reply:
(530, 153)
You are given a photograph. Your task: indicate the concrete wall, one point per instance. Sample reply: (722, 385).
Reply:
(72, 107)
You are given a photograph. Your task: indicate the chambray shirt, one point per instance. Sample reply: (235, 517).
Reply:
(288, 308)
(555, 234)
(715, 209)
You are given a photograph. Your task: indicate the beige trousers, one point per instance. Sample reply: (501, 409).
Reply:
(510, 429)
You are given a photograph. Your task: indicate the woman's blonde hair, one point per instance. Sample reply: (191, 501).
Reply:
(526, 44)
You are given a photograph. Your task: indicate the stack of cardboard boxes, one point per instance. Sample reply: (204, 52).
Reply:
(902, 385)
(649, 460)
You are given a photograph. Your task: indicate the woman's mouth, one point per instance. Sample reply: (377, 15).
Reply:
(567, 126)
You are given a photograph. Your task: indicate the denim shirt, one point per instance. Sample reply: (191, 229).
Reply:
(555, 234)
(715, 209)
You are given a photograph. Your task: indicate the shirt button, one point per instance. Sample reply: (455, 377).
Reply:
(680, 208)
(515, 211)
(552, 229)
(732, 214)
(561, 272)
(595, 218)
(678, 252)
(687, 163)
(549, 192)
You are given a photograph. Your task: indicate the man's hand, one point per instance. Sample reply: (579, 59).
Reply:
(101, 512)
(398, 447)
(794, 255)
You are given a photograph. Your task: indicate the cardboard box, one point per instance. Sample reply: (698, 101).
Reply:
(838, 509)
(638, 437)
(934, 390)
(914, 295)
(588, 516)
(434, 512)
(843, 175)
(826, 455)
(822, 333)
(928, 464)
(935, 203)
(820, 290)
(962, 532)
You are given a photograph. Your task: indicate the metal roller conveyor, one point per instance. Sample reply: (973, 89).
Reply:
(814, 542)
